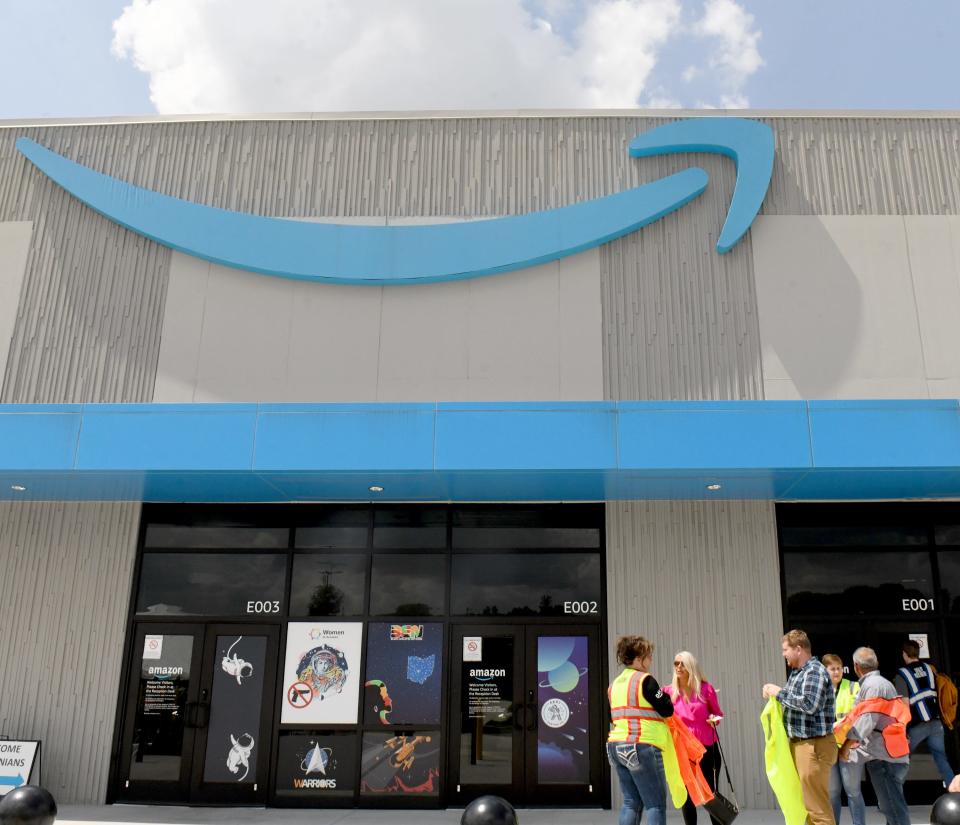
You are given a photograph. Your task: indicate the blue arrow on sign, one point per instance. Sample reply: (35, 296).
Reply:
(11, 781)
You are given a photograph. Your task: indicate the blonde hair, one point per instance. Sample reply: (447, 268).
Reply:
(695, 677)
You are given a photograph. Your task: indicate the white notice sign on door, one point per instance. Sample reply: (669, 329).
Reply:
(473, 648)
(152, 647)
(921, 639)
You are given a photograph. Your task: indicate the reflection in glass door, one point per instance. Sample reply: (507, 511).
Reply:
(527, 707)
(197, 725)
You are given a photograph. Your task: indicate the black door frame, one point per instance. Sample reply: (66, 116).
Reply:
(190, 787)
(525, 789)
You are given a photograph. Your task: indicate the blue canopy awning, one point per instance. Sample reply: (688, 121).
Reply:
(551, 451)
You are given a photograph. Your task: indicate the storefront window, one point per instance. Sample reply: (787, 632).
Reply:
(526, 584)
(949, 564)
(410, 529)
(214, 538)
(857, 582)
(406, 584)
(853, 536)
(525, 529)
(328, 585)
(211, 584)
(335, 530)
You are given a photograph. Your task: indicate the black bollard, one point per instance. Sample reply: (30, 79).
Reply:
(28, 805)
(946, 810)
(487, 810)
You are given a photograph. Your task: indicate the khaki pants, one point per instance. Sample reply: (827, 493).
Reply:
(814, 758)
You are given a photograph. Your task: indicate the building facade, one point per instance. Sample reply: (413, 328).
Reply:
(273, 536)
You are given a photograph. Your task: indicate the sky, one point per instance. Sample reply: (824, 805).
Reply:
(94, 58)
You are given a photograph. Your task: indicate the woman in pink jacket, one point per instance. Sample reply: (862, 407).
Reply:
(695, 701)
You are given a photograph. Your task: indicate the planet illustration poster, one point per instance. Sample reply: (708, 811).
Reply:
(322, 672)
(404, 670)
(563, 726)
(316, 765)
(400, 763)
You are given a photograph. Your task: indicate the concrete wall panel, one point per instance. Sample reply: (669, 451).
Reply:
(64, 595)
(14, 246)
(704, 577)
(231, 335)
(858, 306)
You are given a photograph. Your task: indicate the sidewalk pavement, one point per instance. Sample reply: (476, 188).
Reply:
(170, 815)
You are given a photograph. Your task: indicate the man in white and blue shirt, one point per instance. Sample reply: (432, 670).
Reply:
(918, 683)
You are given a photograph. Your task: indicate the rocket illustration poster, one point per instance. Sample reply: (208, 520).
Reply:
(403, 674)
(321, 674)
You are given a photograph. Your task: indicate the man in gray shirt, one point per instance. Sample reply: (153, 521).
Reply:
(865, 740)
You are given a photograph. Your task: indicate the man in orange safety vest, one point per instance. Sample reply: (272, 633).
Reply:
(875, 732)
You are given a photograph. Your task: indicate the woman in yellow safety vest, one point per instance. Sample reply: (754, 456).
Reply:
(846, 775)
(638, 734)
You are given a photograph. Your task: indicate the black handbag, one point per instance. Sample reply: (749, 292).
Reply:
(722, 809)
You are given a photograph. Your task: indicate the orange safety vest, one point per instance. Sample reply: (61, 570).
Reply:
(634, 718)
(894, 734)
(690, 751)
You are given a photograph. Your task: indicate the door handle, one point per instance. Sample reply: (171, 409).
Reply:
(190, 714)
(518, 715)
(203, 714)
(532, 706)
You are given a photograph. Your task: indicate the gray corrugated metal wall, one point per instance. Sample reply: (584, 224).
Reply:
(692, 312)
(679, 321)
(63, 609)
(704, 576)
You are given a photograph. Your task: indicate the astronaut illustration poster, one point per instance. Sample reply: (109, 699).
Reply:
(233, 732)
(321, 674)
(563, 735)
(403, 674)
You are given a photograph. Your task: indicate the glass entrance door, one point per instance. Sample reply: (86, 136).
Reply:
(526, 714)
(197, 727)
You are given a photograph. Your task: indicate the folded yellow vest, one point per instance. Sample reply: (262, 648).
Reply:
(781, 771)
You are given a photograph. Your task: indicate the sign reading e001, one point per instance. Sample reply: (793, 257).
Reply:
(915, 605)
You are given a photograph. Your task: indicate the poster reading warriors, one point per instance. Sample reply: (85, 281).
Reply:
(317, 766)
(404, 668)
(321, 673)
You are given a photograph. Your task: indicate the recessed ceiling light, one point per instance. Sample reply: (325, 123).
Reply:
(713, 487)
(18, 488)
(376, 488)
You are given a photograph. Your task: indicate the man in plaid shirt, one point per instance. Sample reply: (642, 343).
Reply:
(808, 714)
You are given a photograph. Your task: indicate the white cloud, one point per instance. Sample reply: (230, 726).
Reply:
(354, 55)
(737, 55)
(690, 74)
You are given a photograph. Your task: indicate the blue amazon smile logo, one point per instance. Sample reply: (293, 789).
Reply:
(338, 253)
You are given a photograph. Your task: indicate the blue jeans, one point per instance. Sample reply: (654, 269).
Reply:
(848, 776)
(642, 780)
(887, 779)
(932, 734)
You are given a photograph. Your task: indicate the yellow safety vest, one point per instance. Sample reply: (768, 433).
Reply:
(634, 719)
(846, 697)
(636, 722)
